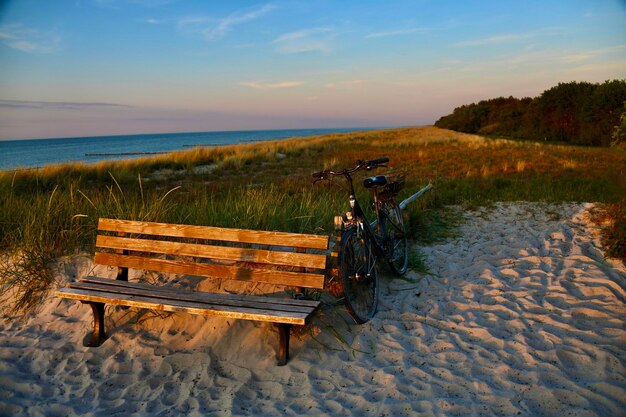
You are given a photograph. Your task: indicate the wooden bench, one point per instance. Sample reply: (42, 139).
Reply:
(284, 259)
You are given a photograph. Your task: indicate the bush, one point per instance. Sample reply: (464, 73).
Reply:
(619, 131)
(613, 216)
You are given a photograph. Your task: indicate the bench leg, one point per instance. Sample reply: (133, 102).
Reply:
(283, 348)
(97, 336)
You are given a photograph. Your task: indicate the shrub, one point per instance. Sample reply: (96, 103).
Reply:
(613, 217)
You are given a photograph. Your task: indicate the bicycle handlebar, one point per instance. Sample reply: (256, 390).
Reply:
(379, 161)
(368, 165)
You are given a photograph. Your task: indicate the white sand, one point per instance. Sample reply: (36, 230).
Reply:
(520, 316)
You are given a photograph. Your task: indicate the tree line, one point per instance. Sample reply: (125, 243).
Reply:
(580, 113)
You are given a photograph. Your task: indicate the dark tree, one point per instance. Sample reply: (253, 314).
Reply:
(561, 108)
(576, 112)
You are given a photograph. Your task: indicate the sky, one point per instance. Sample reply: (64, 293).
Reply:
(113, 67)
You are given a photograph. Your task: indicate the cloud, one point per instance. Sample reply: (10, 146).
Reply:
(399, 32)
(496, 40)
(536, 67)
(271, 86)
(316, 39)
(192, 21)
(118, 4)
(586, 55)
(591, 54)
(601, 71)
(343, 84)
(575, 57)
(21, 38)
(214, 29)
(509, 37)
(24, 104)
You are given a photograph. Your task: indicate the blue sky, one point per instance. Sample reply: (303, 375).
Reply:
(102, 67)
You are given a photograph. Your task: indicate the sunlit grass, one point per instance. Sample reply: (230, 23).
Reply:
(53, 211)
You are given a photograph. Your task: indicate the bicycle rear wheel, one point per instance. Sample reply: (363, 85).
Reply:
(398, 255)
(358, 275)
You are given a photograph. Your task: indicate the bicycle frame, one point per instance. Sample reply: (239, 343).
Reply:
(359, 219)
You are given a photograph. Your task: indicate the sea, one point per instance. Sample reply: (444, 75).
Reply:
(36, 153)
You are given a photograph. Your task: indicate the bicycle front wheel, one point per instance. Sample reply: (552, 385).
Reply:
(358, 275)
(398, 253)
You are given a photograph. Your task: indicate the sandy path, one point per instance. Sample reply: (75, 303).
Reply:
(520, 316)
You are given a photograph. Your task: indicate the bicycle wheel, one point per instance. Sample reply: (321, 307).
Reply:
(358, 275)
(398, 254)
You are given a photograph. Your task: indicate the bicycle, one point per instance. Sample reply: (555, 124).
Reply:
(363, 242)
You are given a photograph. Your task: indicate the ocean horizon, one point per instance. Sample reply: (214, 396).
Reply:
(37, 153)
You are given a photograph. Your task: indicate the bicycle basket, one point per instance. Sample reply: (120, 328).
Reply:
(394, 186)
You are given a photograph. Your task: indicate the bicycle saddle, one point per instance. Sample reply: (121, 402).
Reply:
(377, 181)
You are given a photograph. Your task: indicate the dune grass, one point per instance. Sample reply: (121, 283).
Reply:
(53, 211)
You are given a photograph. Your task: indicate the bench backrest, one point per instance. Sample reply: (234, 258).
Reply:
(247, 255)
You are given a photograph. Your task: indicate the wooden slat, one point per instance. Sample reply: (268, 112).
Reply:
(216, 233)
(215, 252)
(294, 279)
(182, 306)
(108, 282)
(250, 301)
(210, 299)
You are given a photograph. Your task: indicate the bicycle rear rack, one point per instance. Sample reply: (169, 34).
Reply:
(414, 197)
(407, 201)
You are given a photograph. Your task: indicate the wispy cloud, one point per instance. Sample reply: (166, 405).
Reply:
(507, 38)
(213, 29)
(497, 39)
(397, 32)
(598, 63)
(575, 57)
(316, 39)
(586, 55)
(271, 86)
(154, 21)
(25, 104)
(117, 4)
(22, 38)
(191, 21)
(343, 84)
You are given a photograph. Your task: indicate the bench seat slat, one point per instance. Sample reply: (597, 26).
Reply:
(305, 260)
(199, 297)
(154, 288)
(215, 233)
(225, 300)
(298, 279)
(205, 309)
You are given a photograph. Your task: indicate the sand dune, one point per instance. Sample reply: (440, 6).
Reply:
(521, 315)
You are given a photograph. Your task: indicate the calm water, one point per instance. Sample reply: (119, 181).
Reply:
(40, 152)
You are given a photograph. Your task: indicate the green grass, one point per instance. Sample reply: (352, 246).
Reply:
(52, 212)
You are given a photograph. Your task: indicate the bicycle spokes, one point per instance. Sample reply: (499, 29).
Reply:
(359, 277)
(396, 241)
